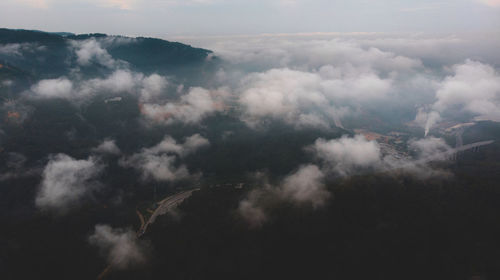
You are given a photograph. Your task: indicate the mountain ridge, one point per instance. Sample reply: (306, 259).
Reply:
(25, 49)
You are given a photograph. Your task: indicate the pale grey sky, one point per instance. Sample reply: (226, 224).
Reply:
(167, 18)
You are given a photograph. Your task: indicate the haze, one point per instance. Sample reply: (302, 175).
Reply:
(216, 17)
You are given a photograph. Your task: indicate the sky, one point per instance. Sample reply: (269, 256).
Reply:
(167, 18)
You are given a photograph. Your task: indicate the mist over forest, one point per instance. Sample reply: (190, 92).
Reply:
(300, 156)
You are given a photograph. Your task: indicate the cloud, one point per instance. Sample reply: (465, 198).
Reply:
(159, 161)
(311, 82)
(251, 210)
(108, 146)
(309, 53)
(316, 81)
(10, 49)
(305, 186)
(193, 143)
(90, 51)
(16, 167)
(120, 246)
(347, 155)
(349, 73)
(280, 92)
(430, 147)
(54, 88)
(147, 88)
(473, 88)
(191, 108)
(305, 99)
(158, 167)
(152, 87)
(65, 181)
(116, 82)
(16, 160)
(169, 145)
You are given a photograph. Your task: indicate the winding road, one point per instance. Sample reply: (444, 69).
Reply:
(166, 205)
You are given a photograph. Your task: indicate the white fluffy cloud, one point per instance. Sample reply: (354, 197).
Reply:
(120, 246)
(369, 71)
(350, 71)
(312, 82)
(307, 98)
(66, 180)
(126, 81)
(346, 155)
(169, 145)
(309, 53)
(54, 88)
(152, 87)
(305, 186)
(108, 146)
(121, 80)
(159, 167)
(90, 51)
(159, 161)
(280, 93)
(473, 88)
(191, 108)
(147, 88)
(118, 81)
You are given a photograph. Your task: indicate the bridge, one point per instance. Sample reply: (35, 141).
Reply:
(453, 152)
